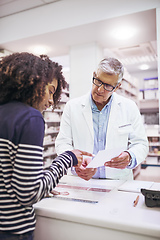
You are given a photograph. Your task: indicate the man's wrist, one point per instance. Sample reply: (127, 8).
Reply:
(133, 162)
(130, 162)
(130, 159)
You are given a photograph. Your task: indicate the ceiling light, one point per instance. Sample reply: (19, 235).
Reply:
(38, 50)
(122, 33)
(144, 67)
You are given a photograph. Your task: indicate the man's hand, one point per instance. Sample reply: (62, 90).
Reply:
(79, 154)
(83, 172)
(119, 162)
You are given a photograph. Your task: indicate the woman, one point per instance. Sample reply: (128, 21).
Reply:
(28, 85)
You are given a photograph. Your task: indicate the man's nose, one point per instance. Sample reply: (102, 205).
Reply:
(101, 88)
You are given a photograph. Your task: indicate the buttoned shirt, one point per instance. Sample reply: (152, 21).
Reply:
(100, 124)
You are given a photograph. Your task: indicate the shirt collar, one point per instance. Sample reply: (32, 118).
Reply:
(94, 107)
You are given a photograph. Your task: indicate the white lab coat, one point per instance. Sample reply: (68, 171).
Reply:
(125, 129)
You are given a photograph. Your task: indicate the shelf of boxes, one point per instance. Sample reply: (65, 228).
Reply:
(51, 131)
(149, 98)
(129, 87)
(153, 134)
(149, 108)
(149, 105)
(52, 125)
(150, 89)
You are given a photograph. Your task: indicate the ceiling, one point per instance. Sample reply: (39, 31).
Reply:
(141, 48)
(10, 7)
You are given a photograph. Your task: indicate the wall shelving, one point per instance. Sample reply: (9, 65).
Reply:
(149, 108)
(52, 126)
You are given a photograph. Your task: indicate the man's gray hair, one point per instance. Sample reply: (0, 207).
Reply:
(112, 66)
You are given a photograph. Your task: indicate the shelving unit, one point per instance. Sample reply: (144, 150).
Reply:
(52, 126)
(150, 89)
(51, 131)
(149, 102)
(154, 145)
(129, 87)
(149, 108)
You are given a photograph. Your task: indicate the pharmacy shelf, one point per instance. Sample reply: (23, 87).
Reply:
(149, 105)
(50, 155)
(144, 165)
(151, 78)
(48, 144)
(152, 130)
(52, 121)
(153, 144)
(153, 155)
(129, 88)
(52, 132)
(58, 111)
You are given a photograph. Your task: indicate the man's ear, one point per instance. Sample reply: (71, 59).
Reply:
(118, 86)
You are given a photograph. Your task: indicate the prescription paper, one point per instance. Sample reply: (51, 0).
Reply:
(104, 156)
(92, 194)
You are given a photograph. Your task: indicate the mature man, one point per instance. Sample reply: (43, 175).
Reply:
(102, 119)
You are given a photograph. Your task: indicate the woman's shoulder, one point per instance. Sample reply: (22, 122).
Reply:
(21, 110)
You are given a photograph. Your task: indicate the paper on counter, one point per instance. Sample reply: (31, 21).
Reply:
(89, 194)
(135, 186)
(104, 156)
(155, 186)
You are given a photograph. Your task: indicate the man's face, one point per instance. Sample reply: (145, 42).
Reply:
(99, 95)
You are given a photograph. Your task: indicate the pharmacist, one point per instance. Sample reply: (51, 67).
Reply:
(102, 119)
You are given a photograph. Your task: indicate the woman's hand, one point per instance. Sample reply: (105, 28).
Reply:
(79, 154)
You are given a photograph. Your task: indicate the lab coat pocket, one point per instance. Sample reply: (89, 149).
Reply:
(125, 129)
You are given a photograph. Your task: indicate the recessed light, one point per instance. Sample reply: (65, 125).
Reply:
(122, 33)
(144, 67)
(39, 49)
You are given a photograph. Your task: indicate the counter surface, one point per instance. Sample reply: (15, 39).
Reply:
(102, 204)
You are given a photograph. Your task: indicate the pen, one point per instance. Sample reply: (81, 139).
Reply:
(136, 201)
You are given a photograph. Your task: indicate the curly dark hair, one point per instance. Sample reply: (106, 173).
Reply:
(24, 76)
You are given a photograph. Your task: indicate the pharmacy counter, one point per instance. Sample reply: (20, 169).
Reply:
(97, 209)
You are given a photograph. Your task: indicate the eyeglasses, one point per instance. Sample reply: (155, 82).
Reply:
(106, 86)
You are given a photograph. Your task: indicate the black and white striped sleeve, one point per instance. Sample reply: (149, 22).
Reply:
(30, 182)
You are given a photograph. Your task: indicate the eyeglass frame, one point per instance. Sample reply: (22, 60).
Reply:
(102, 83)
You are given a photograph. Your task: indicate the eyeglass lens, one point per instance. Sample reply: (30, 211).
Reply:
(99, 83)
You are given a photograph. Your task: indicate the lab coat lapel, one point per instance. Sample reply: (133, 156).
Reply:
(87, 113)
(113, 123)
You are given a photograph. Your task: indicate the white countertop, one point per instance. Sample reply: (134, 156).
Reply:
(113, 210)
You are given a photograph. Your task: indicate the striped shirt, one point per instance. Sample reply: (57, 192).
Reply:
(23, 181)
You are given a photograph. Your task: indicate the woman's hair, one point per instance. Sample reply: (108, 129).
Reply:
(24, 76)
(112, 66)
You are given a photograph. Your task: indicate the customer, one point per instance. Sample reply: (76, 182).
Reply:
(102, 119)
(28, 85)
